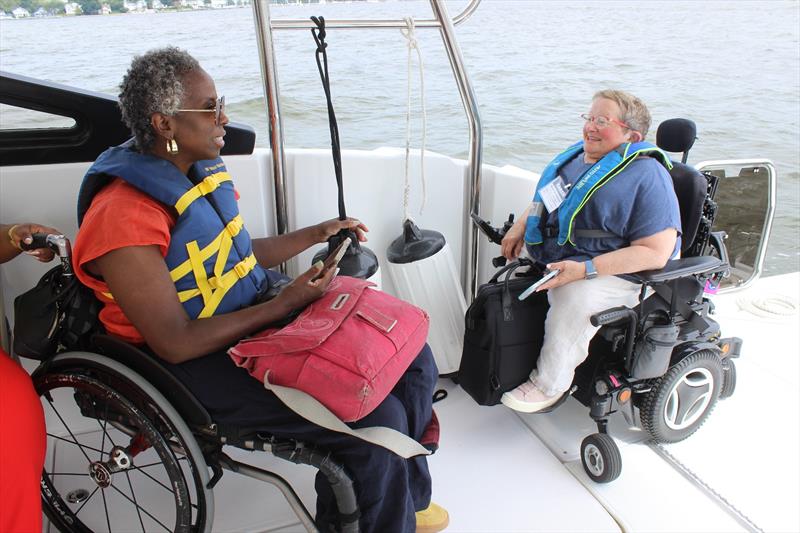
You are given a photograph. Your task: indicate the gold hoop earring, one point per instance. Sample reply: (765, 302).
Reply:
(172, 147)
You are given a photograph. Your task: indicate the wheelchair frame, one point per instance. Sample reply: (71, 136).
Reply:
(116, 393)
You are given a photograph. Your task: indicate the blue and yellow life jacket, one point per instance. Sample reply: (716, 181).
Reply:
(210, 256)
(581, 191)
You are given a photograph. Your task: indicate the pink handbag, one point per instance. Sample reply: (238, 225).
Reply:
(348, 349)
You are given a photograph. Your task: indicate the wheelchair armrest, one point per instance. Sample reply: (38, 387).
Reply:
(682, 268)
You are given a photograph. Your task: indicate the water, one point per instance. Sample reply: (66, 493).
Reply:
(733, 67)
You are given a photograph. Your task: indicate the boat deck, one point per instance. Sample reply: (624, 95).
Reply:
(500, 471)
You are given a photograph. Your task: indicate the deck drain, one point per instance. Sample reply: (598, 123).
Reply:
(77, 496)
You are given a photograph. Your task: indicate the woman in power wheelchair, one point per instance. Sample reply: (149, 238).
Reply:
(179, 285)
(658, 351)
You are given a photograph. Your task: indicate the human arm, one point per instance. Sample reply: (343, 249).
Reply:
(139, 281)
(647, 253)
(10, 247)
(514, 238)
(271, 251)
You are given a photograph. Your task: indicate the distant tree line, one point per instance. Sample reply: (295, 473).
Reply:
(53, 7)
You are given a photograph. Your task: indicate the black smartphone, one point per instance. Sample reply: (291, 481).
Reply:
(333, 259)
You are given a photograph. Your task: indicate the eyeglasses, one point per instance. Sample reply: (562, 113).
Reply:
(218, 110)
(603, 122)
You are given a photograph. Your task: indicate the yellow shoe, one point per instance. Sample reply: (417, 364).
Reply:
(432, 519)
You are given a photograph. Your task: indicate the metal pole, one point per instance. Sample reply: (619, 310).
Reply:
(305, 24)
(269, 76)
(469, 255)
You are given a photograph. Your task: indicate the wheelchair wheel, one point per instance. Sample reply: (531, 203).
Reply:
(119, 456)
(681, 400)
(601, 458)
(729, 379)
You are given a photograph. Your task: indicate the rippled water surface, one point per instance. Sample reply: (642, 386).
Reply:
(733, 67)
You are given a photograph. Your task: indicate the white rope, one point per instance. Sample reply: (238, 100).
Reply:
(769, 305)
(413, 44)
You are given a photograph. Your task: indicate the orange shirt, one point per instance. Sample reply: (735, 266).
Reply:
(120, 216)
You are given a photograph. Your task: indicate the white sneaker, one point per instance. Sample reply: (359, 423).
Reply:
(528, 398)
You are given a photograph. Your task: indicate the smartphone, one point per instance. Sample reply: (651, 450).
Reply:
(547, 277)
(333, 259)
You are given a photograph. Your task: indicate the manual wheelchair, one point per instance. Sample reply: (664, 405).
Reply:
(664, 359)
(149, 452)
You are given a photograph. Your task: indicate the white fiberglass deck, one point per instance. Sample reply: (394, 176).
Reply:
(500, 472)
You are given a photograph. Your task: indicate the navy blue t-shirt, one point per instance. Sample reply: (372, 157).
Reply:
(640, 201)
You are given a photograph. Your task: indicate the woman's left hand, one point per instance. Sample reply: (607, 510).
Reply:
(569, 271)
(331, 227)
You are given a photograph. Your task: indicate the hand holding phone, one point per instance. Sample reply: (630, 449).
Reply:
(547, 277)
(333, 259)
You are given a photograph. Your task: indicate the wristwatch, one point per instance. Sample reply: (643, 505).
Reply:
(591, 272)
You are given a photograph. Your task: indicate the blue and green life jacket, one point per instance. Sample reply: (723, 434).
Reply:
(210, 256)
(582, 190)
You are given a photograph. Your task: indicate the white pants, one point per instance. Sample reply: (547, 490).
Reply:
(567, 330)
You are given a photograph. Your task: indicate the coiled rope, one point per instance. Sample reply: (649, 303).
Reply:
(410, 34)
(769, 305)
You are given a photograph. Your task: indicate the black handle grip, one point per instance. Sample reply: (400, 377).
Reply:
(487, 229)
(611, 316)
(39, 241)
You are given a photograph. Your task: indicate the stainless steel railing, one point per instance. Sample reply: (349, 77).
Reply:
(264, 27)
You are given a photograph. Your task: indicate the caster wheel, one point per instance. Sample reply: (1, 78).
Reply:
(601, 458)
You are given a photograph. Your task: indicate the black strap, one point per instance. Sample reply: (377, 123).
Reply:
(551, 232)
(322, 66)
(593, 234)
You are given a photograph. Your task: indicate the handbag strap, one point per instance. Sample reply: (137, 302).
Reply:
(312, 410)
(505, 299)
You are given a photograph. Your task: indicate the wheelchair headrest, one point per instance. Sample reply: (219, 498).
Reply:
(676, 135)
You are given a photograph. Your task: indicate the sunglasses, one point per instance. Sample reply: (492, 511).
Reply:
(218, 109)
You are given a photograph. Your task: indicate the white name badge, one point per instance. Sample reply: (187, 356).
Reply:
(553, 194)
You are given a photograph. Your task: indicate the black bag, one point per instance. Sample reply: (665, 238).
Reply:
(502, 336)
(58, 314)
(654, 350)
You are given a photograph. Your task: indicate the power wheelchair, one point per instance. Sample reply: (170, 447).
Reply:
(145, 440)
(664, 359)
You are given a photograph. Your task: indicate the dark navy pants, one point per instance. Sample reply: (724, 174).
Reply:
(389, 489)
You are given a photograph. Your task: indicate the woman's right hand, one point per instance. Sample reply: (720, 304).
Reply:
(304, 289)
(513, 240)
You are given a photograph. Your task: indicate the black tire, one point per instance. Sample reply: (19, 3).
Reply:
(728, 379)
(94, 405)
(601, 458)
(681, 400)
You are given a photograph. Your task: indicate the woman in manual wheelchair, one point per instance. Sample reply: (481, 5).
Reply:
(143, 234)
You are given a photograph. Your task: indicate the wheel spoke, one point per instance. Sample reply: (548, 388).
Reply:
(133, 495)
(87, 501)
(142, 508)
(76, 443)
(75, 440)
(103, 427)
(169, 489)
(105, 506)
